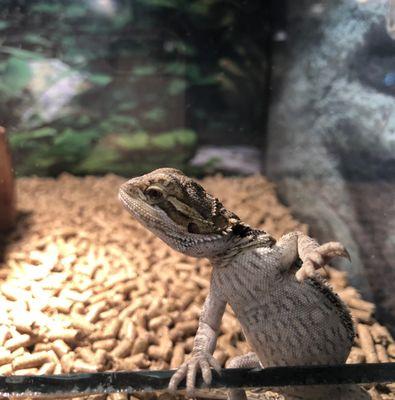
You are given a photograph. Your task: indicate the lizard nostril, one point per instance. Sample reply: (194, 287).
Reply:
(127, 189)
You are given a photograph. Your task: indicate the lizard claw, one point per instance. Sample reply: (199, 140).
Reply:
(189, 370)
(319, 257)
(333, 249)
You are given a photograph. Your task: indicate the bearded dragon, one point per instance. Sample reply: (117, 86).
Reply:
(287, 314)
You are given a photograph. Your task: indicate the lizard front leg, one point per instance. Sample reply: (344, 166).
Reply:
(313, 256)
(204, 345)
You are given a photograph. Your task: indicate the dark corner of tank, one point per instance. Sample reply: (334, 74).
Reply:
(284, 110)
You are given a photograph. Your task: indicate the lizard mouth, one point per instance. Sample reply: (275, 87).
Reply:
(139, 210)
(135, 207)
(125, 200)
(146, 215)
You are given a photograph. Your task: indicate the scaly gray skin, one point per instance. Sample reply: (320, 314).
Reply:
(288, 318)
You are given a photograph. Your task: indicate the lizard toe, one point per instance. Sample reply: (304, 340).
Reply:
(191, 376)
(307, 270)
(333, 249)
(206, 372)
(316, 259)
(178, 376)
(215, 364)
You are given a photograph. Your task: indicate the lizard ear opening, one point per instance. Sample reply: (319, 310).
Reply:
(193, 228)
(241, 230)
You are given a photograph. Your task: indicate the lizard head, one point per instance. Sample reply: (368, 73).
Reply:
(180, 212)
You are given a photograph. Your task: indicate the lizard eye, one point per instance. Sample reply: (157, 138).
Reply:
(193, 228)
(154, 193)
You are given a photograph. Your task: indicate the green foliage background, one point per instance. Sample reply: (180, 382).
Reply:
(160, 77)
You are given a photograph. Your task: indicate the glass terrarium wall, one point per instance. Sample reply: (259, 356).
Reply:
(330, 142)
(92, 92)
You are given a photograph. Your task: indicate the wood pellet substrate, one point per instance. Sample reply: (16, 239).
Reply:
(85, 288)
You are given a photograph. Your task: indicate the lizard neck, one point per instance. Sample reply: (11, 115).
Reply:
(240, 241)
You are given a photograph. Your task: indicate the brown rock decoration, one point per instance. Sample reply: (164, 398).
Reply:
(7, 194)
